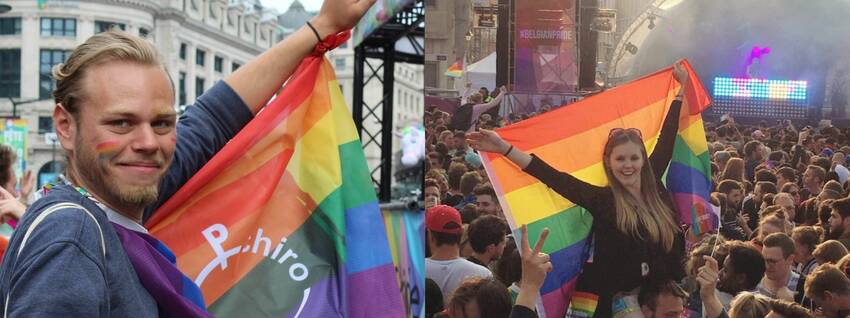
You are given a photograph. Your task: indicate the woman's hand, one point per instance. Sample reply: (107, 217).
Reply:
(487, 140)
(680, 73)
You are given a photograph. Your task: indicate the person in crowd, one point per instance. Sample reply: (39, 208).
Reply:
(434, 298)
(469, 213)
(734, 170)
(734, 226)
(468, 182)
(839, 221)
(487, 237)
(752, 206)
(786, 309)
(721, 158)
(786, 202)
(485, 200)
(445, 266)
(749, 305)
(830, 252)
(480, 297)
(780, 281)
(742, 271)
(454, 196)
(662, 299)
(12, 203)
(813, 179)
(785, 175)
(830, 290)
(637, 237)
(466, 114)
(461, 148)
(754, 156)
(806, 239)
(432, 193)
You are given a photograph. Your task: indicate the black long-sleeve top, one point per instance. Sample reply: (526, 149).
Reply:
(618, 257)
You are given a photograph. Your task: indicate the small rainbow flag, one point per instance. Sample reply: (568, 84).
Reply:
(284, 220)
(455, 70)
(571, 139)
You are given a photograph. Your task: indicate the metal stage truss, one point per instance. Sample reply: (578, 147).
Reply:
(374, 60)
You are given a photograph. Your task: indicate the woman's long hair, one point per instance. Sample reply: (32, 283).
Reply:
(734, 170)
(653, 222)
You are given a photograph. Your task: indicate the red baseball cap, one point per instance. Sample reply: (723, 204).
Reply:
(443, 219)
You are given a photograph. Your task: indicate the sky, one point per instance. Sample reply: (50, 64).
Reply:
(282, 5)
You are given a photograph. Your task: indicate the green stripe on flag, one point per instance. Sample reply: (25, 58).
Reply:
(272, 288)
(682, 154)
(357, 185)
(565, 228)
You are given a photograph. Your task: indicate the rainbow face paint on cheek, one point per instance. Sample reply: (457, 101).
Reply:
(106, 149)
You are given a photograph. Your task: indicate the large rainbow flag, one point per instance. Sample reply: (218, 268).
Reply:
(571, 139)
(284, 220)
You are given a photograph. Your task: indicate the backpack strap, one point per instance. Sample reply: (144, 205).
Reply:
(39, 219)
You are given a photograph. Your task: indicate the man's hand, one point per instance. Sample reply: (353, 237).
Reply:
(339, 15)
(707, 276)
(535, 265)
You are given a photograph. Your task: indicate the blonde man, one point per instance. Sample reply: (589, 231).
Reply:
(126, 152)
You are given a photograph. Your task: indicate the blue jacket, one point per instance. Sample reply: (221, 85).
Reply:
(62, 272)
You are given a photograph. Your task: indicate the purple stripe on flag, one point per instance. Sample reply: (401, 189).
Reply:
(555, 302)
(374, 288)
(684, 204)
(322, 300)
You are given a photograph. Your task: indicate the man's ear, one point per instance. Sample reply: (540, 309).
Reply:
(65, 126)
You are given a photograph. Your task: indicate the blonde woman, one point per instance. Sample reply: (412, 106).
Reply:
(637, 238)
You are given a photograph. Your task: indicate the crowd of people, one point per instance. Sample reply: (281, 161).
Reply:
(781, 249)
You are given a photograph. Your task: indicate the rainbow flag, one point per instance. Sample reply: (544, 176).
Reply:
(455, 70)
(571, 139)
(284, 220)
(406, 231)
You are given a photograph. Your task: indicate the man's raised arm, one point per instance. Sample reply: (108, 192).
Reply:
(261, 78)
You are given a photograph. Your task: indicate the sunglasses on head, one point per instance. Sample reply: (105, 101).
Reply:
(618, 131)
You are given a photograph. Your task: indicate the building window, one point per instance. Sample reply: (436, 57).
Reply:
(218, 62)
(344, 45)
(49, 58)
(181, 89)
(45, 124)
(339, 64)
(10, 73)
(144, 32)
(58, 27)
(199, 87)
(234, 66)
(200, 56)
(103, 26)
(182, 51)
(431, 78)
(10, 26)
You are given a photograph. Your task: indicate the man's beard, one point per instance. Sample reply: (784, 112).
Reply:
(94, 171)
(835, 233)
